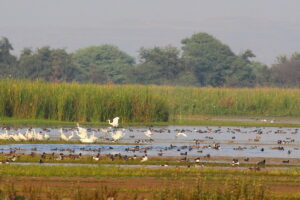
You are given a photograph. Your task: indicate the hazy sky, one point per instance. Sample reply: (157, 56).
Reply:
(268, 27)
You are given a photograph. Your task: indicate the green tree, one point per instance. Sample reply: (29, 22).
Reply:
(106, 62)
(159, 65)
(214, 64)
(54, 65)
(286, 72)
(7, 61)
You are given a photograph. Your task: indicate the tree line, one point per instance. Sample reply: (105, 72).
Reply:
(202, 60)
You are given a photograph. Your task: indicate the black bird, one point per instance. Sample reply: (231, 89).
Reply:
(263, 162)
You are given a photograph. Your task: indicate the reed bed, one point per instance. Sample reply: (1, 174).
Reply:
(136, 103)
(275, 102)
(79, 102)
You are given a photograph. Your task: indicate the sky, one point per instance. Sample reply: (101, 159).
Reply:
(268, 27)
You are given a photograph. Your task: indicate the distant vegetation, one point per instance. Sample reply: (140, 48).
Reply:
(21, 99)
(79, 102)
(202, 61)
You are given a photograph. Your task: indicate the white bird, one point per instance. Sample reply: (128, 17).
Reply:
(28, 135)
(71, 136)
(144, 159)
(22, 137)
(117, 135)
(15, 137)
(115, 122)
(181, 134)
(148, 133)
(63, 136)
(88, 139)
(93, 137)
(38, 136)
(5, 136)
(46, 137)
(82, 132)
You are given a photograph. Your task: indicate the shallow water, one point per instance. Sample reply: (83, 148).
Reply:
(233, 141)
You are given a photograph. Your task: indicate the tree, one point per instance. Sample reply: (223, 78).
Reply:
(7, 61)
(213, 62)
(159, 64)
(108, 61)
(208, 58)
(246, 55)
(53, 65)
(286, 72)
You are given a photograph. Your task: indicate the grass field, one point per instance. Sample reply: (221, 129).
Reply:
(57, 182)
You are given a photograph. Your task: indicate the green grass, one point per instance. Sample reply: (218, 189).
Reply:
(95, 104)
(75, 102)
(231, 101)
(208, 183)
(114, 171)
(171, 161)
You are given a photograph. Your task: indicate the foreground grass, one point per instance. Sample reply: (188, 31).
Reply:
(194, 184)
(172, 173)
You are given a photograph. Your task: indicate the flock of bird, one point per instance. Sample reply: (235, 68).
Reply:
(79, 133)
(206, 142)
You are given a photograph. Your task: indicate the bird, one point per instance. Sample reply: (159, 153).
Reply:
(46, 137)
(90, 139)
(117, 135)
(235, 162)
(82, 132)
(148, 133)
(28, 135)
(181, 134)
(63, 136)
(22, 137)
(145, 158)
(115, 122)
(263, 162)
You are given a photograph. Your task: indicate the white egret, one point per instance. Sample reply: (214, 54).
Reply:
(118, 135)
(148, 133)
(28, 135)
(63, 136)
(46, 137)
(22, 137)
(115, 122)
(181, 134)
(82, 132)
(90, 139)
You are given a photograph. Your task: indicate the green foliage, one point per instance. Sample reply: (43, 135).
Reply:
(7, 61)
(159, 65)
(287, 71)
(74, 102)
(214, 63)
(103, 64)
(203, 61)
(53, 65)
(229, 101)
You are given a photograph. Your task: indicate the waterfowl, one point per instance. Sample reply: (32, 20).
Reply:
(115, 122)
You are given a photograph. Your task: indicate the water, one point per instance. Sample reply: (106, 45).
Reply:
(233, 142)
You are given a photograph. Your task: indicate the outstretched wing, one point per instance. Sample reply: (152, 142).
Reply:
(116, 120)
